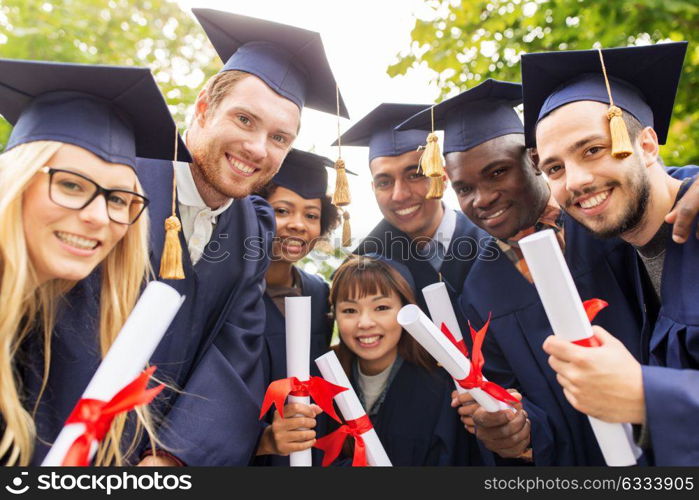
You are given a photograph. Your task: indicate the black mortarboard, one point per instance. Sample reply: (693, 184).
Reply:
(377, 130)
(474, 116)
(305, 173)
(643, 81)
(115, 112)
(290, 60)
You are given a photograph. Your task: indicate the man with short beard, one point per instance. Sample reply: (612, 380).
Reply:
(245, 121)
(618, 189)
(434, 242)
(501, 190)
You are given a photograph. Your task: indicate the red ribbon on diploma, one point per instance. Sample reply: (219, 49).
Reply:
(97, 416)
(592, 307)
(474, 380)
(460, 345)
(332, 443)
(317, 388)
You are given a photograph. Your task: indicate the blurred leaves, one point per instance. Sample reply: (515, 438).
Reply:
(470, 41)
(153, 33)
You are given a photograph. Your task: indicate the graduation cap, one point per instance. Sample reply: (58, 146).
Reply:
(474, 116)
(639, 80)
(377, 131)
(115, 112)
(305, 173)
(290, 60)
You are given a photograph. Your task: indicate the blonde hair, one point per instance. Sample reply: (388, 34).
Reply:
(27, 306)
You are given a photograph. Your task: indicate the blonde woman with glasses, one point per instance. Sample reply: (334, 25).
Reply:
(70, 206)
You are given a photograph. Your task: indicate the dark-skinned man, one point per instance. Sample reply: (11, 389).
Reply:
(501, 191)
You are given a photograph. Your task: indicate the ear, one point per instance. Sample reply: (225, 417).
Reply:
(648, 145)
(201, 106)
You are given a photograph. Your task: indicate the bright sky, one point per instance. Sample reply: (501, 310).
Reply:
(361, 40)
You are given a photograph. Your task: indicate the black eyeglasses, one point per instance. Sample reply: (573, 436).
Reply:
(75, 191)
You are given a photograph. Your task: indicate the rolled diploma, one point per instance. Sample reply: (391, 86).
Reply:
(351, 408)
(298, 358)
(568, 319)
(440, 348)
(441, 310)
(131, 350)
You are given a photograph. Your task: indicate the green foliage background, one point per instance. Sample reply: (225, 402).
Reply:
(466, 42)
(153, 33)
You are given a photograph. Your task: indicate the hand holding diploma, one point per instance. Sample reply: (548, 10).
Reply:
(605, 383)
(291, 432)
(571, 322)
(299, 386)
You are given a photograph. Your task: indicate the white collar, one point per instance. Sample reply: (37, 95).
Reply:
(445, 231)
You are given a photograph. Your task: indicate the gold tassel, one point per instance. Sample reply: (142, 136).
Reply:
(621, 142)
(436, 188)
(346, 229)
(171, 259)
(431, 161)
(341, 196)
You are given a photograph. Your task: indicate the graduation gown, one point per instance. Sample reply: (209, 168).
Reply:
(416, 424)
(210, 352)
(514, 358)
(387, 240)
(671, 382)
(212, 349)
(274, 357)
(75, 356)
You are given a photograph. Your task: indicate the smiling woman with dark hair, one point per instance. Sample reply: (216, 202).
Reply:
(304, 215)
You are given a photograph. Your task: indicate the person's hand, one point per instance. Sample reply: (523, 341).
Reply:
(292, 433)
(505, 432)
(604, 382)
(685, 212)
(158, 461)
(465, 406)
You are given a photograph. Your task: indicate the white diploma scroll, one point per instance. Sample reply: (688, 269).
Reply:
(441, 310)
(351, 408)
(568, 319)
(440, 348)
(298, 358)
(126, 358)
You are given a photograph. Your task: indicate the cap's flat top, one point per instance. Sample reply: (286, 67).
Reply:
(133, 110)
(652, 69)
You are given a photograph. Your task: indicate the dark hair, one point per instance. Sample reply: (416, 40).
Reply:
(329, 214)
(633, 126)
(360, 276)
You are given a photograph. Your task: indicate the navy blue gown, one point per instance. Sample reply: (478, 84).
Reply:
(385, 239)
(416, 424)
(671, 383)
(514, 358)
